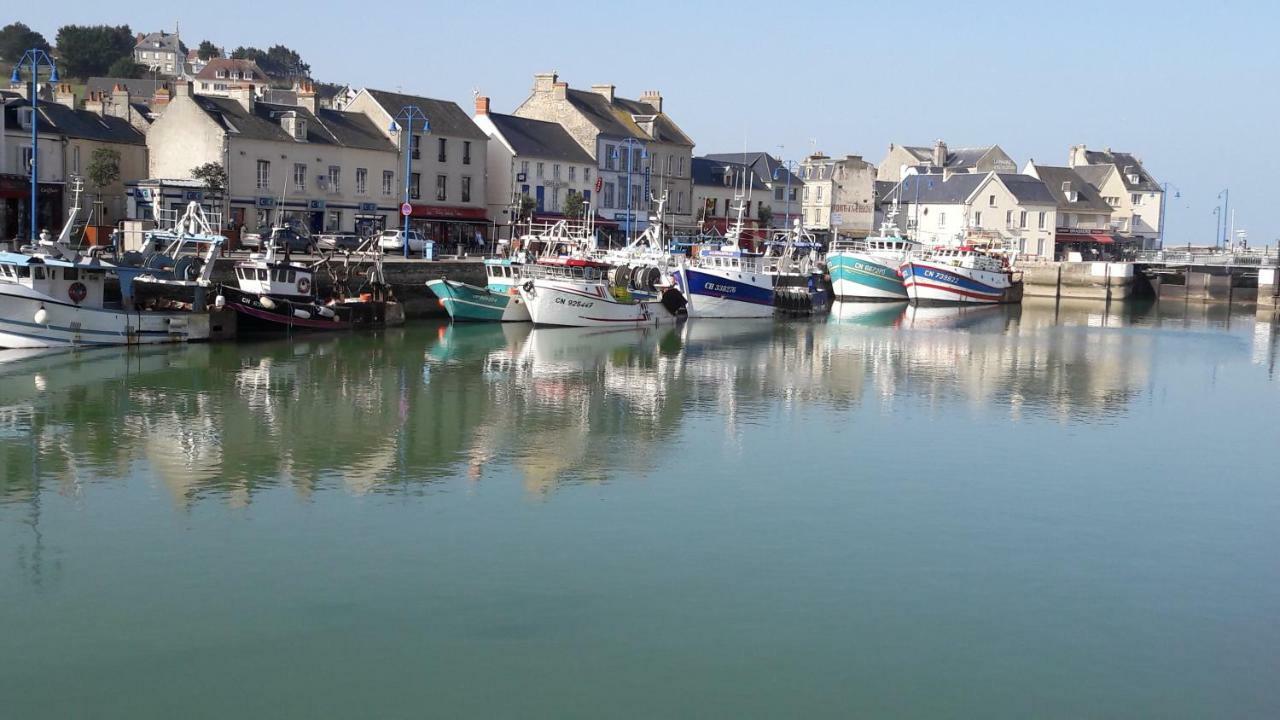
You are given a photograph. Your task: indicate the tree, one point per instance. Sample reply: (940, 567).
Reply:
(86, 50)
(278, 62)
(125, 67)
(764, 214)
(573, 205)
(213, 175)
(527, 206)
(208, 51)
(16, 38)
(103, 169)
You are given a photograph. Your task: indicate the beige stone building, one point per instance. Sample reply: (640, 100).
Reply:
(1084, 219)
(1136, 199)
(838, 195)
(329, 170)
(161, 52)
(447, 183)
(622, 135)
(1007, 208)
(940, 158)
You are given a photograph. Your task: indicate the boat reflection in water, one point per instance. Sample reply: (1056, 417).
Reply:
(404, 410)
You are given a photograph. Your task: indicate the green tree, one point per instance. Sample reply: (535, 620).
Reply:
(16, 38)
(103, 170)
(573, 205)
(764, 214)
(208, 50)
(278, 62)
(125, 67)
(213, 175)
(86, 50)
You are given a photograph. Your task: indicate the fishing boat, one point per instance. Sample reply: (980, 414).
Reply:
(869, 269)
(498, 301)
(794, 260)
(581, 292)
(274, 294)
(726, 281)
(961, 275)
(51, 296)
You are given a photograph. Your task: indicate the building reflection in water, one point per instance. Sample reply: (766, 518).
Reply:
(401, 411)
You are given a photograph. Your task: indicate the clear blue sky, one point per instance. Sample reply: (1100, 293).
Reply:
(1187, 90)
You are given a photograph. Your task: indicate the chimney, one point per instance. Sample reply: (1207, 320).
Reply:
(544, 82)
(161, 99)
(605, 90)
(482, 105)
(940, 154)
(93, 103)
(63, 95)
(243, 94)
(119, 106)
(1076, 157)
(307, 96)
(560, 90)
(652, 97)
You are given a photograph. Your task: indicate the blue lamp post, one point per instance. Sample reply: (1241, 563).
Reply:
(33, 59)
(1164, 204)
(407, 115)
(630, 144)
(791, 167)
(1225, 197)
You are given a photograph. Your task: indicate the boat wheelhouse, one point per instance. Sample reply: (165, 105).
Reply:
(577, 292)
(870, 269)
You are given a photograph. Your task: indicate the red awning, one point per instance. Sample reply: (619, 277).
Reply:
(446, 212)
(1099, 238)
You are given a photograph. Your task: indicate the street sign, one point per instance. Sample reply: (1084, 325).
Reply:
(406, 209)
(599, 183)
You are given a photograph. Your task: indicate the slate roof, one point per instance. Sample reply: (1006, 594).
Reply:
(56, 119)
(1095, 175)
(959, 187)
(710, 172)
(210, 71)
(142, 90)
(627, 118)
(1027, 189)
(324, 127)
(535, 138)
(1087, 198)
(962, 158)
(1146, 183)
(160, 40)
(446, 117)
(764, 164)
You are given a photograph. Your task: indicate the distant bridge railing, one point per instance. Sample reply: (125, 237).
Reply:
(1255, 258)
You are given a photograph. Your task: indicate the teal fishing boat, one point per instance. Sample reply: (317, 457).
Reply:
(497, 301)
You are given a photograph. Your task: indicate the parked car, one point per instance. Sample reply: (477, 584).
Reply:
(339, 241)
(292, 237)
(393, 241)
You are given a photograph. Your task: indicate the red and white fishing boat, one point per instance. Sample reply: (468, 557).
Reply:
(961, 275)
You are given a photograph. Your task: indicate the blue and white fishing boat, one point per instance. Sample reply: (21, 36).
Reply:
(498, 301)
(728, 281)
(870, 269)
(961, 275)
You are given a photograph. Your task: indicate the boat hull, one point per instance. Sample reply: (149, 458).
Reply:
(256, 318)
(570, 304)
(468, 303)
(936, 283)
(713, 294)
(67, 325)
(861, 276)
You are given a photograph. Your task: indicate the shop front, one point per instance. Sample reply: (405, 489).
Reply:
(15, 200)
(1085, 245)
(455, 230)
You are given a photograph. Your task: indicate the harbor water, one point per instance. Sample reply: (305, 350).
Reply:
(1054, 510)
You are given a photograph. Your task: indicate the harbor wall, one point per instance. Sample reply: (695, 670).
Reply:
(1269, 289)
(407, 278)
(1214, 285)
(1091, 280)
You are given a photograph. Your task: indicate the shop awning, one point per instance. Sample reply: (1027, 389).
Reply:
(1098, 238)
(447, 212)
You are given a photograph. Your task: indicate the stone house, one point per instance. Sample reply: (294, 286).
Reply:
(838, 195)
(534, 159)
(328, 170)
(940, 158)
(1084, 218)
(718, 188)
(161, 52)
(447, 183)
(784, 187)
(639, 150)
(221, 77)
(1005, 208)
(1136, 199)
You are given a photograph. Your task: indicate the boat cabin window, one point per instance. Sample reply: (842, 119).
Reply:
(39, 273)
(262, 274)
(70, 274)
(293, 276)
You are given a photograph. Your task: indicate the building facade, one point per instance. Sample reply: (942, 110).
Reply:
(838, 195)
(784, 187)
(532, 159)
(447, 184)
(1015, 211)
(1084, 219)
(160, 52)
(940, 158)
(330, 171)
(720, 186)
(640, 152)
(1136, 199)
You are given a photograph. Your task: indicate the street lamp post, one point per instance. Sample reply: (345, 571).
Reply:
(33, 59)
(791, 166)
(407, 115)
(630, 144)
(1164, 204)
(1217, 225)
(1225, 197)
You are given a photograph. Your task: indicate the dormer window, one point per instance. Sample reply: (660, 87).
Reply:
(1134, 178)
(221, 74)
(294, 125)
(1072, 195)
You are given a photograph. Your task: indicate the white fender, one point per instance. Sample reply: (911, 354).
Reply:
(42, 316)
(303, 314)
(267, 302)
(326, 312)
(220, 302)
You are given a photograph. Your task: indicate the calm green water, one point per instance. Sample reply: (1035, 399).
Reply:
(1036, 512)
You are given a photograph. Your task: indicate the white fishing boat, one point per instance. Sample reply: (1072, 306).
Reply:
(578, 292)
(870, 269)
(961, 275)
(728, 281)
